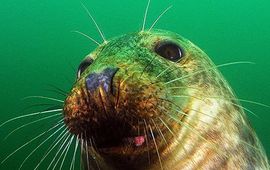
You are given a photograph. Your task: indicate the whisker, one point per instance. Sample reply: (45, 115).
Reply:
(87, 36)
(228, 100)
(253, 102)
(52, 106)
(58, 114)
(39, 146)
(81, 143)
(92, 147)
(211, 68)
(22, 146)
(145, 15)
(154, 140)
(165, 124)
(194, 131)
(175, 136)
(28, 115)
(160, 132)
(65, 156)
(181, 113)
(167, 100)
(239, 99)
(57, 91)
(138, 129)
(148, 65)
(184, 96)
(184, 87)
(72, 165)
(166, 10)
(43, 97)
(242, 107)
(94, 143)
(87, 154)
(62, 152)
(66, 140)
(94, 21)
(162, 72)
(147, 141)
(248, 144)
(54, 144)
(63, 92)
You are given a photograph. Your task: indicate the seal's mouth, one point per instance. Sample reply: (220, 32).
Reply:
(118, 116)
(119, 137)
(113, 132)
(129, 146)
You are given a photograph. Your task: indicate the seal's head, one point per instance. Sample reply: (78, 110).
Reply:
(137, 95)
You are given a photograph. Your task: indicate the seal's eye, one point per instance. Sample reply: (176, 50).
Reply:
(169, 50)
(83, 66)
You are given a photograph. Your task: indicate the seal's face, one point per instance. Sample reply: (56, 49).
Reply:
(123, 101)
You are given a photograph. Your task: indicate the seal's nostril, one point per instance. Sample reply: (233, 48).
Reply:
(103, 79)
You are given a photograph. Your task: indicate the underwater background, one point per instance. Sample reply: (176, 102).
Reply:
(38, 50)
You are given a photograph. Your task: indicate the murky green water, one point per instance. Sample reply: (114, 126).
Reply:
(38, 50)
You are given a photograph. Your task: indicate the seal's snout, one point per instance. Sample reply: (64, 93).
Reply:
(104, 80)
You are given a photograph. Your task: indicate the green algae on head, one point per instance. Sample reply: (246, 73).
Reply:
(153, 100)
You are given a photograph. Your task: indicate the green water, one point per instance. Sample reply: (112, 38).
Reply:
(38, 49)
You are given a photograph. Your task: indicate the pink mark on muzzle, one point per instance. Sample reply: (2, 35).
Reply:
(139, 140)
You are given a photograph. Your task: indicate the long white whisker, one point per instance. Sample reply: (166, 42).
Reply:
(228, 100)
(147, 142)
(87, 153)
(165, 124)
(81, 143)
(145, 15)
(253, 102)
(28, 115)
(72, 165)
(190, 128)
(62, 153)
(181, 113)
(43, 97)
(71, 140)
(58, 114)
(174, 135)
(58, 90)
(167, 9)
(40, 146)
(160, 132)
(154, 140)
(92, 147)
(59, 123)
(184, 96)
(64, 142)
(87, 36)
(57, 140)
(242, 107)
(94, 143)
(94, 21)
(212, 68)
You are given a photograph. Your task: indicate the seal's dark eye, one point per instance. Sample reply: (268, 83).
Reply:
(83, 66)
(169, 50)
